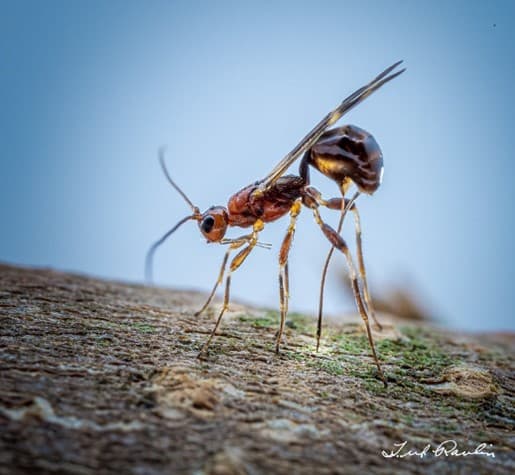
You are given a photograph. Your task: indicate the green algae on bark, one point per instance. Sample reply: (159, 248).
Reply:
(102, 377)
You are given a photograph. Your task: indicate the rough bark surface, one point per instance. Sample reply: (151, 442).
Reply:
(103, 377)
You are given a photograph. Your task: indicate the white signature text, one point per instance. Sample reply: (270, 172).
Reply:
(447, 448)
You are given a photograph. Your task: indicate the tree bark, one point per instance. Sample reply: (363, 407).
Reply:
(103, 377)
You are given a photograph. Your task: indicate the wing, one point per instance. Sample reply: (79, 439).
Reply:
(353, 100)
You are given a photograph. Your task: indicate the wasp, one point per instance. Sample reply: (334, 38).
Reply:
(348, 155)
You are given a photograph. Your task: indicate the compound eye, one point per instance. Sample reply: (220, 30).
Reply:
(207, 224)
(213, 223)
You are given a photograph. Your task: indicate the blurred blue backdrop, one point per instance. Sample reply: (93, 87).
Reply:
(90, 90)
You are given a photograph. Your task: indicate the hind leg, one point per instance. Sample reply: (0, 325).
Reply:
(337, 241)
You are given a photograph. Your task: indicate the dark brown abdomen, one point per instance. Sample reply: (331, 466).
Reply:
(346, 152)
(245, 208)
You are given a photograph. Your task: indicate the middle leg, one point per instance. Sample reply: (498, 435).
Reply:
(283, 271)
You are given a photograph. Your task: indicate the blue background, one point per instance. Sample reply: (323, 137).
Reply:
(90, 90)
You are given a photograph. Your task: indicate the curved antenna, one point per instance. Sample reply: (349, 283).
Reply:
(150, 253)
(169, 178)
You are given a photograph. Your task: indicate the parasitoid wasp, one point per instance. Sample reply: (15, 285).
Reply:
(347, 155)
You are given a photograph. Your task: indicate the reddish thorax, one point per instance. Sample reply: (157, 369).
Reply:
(246, 206)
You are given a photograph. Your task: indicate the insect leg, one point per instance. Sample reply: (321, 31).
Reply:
(361, 264)
(324, 275)
(283, 270)
(336, 204)
(337, 241)
(205, 346)
(344, 205)
(286, 286)
(233, 244)
(236, 262)
(217, 283)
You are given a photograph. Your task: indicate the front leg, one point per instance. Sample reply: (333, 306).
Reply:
(235, 263)
(218, 281)
(233, 244)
